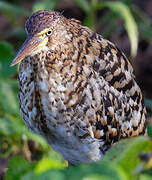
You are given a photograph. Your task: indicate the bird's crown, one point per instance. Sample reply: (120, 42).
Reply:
(40, 20)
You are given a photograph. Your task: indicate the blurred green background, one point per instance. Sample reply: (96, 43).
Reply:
(23, 155)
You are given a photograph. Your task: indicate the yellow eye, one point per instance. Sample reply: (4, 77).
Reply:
(49, 33)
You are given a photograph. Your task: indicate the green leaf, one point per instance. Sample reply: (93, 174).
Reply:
(148, 103)
(18, 167)
(145, 177)
(149, 131)
(126, 152)
(84, 5)
(37, 138)
(48, 175)
(6, 51)
(8, 100)
(101, 168)
(6, 56)
(11, 9)
(130, 24)
(6, 128)
(29, 176)
(128, 2)
(46, 4)
(46, 164)
(96, 177)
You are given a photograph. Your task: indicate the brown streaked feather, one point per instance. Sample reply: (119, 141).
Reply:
(79, 92)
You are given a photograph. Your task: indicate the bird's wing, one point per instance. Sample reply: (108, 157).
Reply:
(113, 66)
(112, 114)
(114, 103)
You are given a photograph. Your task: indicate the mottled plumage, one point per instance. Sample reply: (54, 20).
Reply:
(76, 88)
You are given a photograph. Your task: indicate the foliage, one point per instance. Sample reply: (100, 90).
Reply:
(32, 157)
(121, 162)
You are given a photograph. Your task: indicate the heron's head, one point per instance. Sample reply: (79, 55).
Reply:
(39, 27)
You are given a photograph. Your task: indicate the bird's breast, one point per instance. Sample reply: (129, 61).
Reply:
(44, 105)
(49, 98)
(41, 95)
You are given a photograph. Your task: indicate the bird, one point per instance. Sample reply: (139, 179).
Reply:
(76, 88)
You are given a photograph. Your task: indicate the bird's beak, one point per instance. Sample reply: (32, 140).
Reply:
(30, 45)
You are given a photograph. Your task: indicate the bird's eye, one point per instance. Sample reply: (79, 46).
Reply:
(48, 33)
